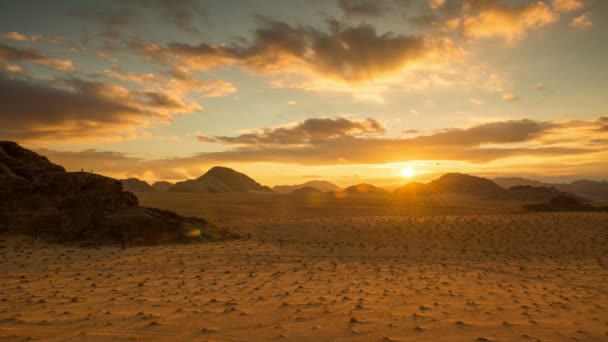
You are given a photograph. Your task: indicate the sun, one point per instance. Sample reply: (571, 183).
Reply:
(408, 172)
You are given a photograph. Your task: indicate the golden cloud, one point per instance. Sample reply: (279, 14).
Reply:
(342, 141)
(488, 19)
(567, 5)
(582, 22)
(348, 54)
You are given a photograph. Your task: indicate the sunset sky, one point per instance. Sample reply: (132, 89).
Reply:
(287, 91)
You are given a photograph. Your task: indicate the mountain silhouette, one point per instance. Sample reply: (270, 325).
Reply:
(220, 179)
(162, 186)
(136, 185)
(363, 188)
(323, 186)
(41, 199)
(306, 190)
(460, 183)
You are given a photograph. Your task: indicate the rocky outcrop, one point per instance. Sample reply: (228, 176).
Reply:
(323, 186)
(220, 179)
(136, 185)
(162, 186)
(39, 198)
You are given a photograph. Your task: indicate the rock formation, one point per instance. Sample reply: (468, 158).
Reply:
(41, 199)
(220, 179)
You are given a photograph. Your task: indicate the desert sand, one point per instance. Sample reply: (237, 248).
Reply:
(413, 277)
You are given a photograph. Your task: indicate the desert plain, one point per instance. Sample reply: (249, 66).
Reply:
(306, 269)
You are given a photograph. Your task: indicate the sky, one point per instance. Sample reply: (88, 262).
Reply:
(383, 92)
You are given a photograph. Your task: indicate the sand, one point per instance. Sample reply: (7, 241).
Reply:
(491, 277)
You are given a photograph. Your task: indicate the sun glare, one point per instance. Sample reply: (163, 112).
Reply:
(408, 172)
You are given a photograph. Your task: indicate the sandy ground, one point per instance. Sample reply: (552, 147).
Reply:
(537, 277)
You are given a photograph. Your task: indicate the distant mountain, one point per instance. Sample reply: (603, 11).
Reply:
(162, 186)
(460, 183)
(579, 187)
(136, 185)
(320, 185)
(220, 179)
(363, 188)
(306, 190)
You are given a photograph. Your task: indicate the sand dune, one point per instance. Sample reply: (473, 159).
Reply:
(456, 278)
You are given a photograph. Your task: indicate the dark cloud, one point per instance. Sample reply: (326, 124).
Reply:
(604, 122)
(112, 19)
(116, 17)
(10, 54)
(363, 8)
(186, 15)
(75, 109)
(353, 53)
(309, 131)
(321, 130)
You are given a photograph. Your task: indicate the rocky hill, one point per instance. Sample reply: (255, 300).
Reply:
(220, 179)
(41, 199)
(323, 186)
(136, 185)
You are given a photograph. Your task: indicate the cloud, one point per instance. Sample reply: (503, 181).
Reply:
(509, 97)
(9, 54)
(435, 4)
(15, 36)
(178, 79)
(582, 22)
(78, 110)
(363, 8)
(603, 121)
(350, 54)
(567, 5)
(115, 17)
(489, 19)
(308, 131)
(49, 38)
(184, 14)
(112, 19)
(339, 141)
